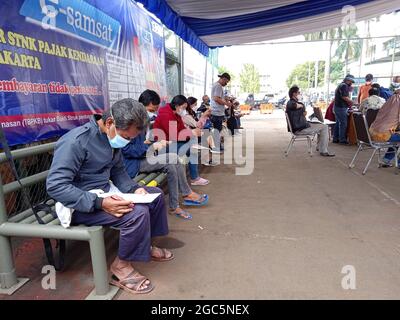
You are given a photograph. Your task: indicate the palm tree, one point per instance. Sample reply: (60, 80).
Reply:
(349, 45)
(325, 35)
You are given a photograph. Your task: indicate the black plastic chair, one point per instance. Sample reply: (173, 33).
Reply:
(365, 142)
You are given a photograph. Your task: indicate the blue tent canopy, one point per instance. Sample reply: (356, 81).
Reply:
(207, 24)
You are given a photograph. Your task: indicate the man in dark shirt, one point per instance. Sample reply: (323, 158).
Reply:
(86, 159)
(342, 103)
(296, 112)
(205, 104)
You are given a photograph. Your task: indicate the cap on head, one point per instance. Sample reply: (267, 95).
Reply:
(349, 77)
(225, 75)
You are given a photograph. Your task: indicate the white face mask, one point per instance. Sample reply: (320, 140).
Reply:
(151, 115)
(182, 112)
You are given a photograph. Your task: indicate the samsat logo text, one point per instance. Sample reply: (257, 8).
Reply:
(75, 18)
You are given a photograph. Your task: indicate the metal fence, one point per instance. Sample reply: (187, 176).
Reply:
(27, 166)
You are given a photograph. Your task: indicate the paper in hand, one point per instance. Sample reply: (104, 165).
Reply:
(135, 198)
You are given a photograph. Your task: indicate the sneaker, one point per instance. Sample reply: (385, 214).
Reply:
(385, 163)
(327, 154)
(211, 164)
(200, 182)
(215, 150)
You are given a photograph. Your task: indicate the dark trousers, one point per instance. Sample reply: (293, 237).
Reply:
(340, 131)
(217, 122)
(136, 228)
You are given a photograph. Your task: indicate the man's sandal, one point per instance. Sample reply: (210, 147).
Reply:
(163, 257)
(135, 279)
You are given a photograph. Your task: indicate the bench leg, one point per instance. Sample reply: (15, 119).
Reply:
(103, 290)
(9, 283)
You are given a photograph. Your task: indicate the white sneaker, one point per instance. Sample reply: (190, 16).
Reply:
(200, 182)
(215, 150)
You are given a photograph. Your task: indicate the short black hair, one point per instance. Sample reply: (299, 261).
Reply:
(373, 91)
(293, 90)
(149, 96)
(376, 85)
(178, 101)
(369, 77)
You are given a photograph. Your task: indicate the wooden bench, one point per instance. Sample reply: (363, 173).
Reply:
(25, 224)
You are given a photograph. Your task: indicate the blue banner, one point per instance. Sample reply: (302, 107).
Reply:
(63, 60)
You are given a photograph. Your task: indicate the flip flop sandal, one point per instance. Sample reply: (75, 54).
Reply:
(163, 256)
(183, 214)
(201, 201)
(135, 279)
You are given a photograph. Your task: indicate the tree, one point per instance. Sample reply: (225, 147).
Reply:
(222, 69)
(303, 75)
(337, 68)
(349, 47)
(249, 79)
(325, 35)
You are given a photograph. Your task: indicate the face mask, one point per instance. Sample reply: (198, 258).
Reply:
(396, 85)
(151, 115)
(117, 142)
(182, 113)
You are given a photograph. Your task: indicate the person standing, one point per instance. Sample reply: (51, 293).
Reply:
(342, 102)
(218, 104)
(363, 92)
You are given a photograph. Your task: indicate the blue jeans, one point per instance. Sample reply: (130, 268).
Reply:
(391, 152)
(340, 131)
(193, 165)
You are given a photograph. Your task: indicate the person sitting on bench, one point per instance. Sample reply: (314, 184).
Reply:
(136, 161)
(87, 158)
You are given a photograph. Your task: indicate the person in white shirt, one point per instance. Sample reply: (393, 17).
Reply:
(374, 101)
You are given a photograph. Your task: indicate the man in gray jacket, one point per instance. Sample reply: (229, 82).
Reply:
(88, 158)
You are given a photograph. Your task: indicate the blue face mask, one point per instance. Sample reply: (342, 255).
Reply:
(118, 142)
